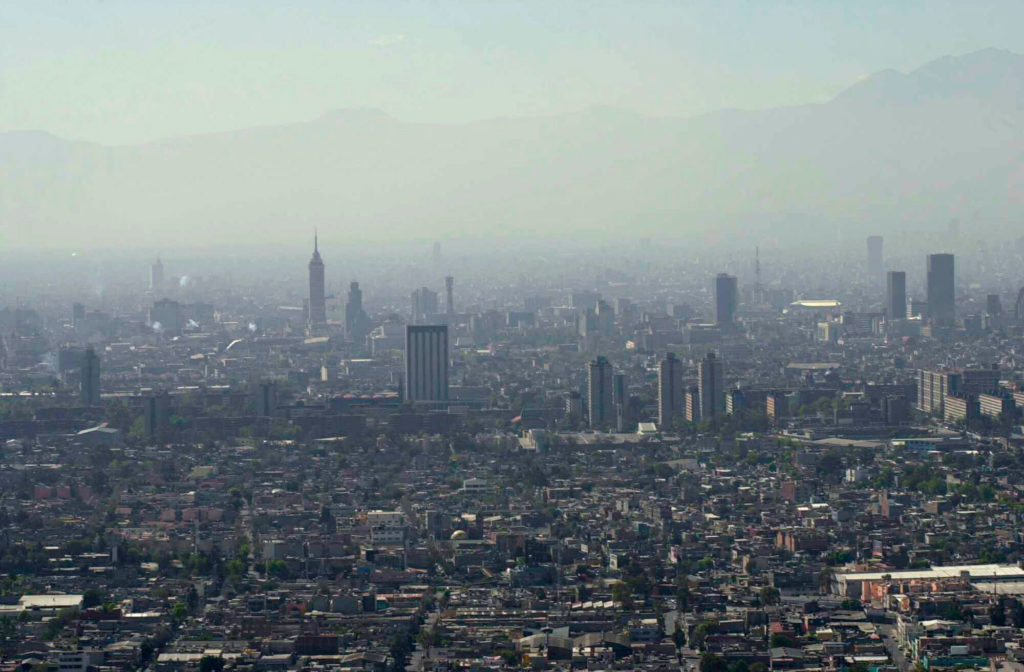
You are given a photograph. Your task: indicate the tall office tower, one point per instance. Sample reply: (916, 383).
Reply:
(896, 295)
(156, 276)
(356, 321)
(620, 402)
(620, 389)
(90, 378)
(77, 315)
(449, 295)
(426, 362)
(317, 295)
(266, 399)
(993, 305)
(437, 251)
(941, 289)
(712, 387)
(158, 413)
(875, 263)
(670, 389)
(424, 304)
(600, 407)
(726, 299)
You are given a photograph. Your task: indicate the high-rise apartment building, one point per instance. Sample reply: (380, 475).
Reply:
(600, 396)
(933, 387)
(941, 288)
(670, 389)
(712, 387)
(896, 295)
(426, 362)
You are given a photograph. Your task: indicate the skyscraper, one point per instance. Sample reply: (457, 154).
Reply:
(317, 295)
(896, 295)
(90, 378)
(424, 304)
(993, 305)
(449, 295)
(875, 263)
(600, 407)
(426, 362)
(712, 387)
(726, 300)
(670, 389)
(941, 290)
(356, 321)
(156, 276)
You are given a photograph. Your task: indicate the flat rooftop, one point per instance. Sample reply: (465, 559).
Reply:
(981, 572)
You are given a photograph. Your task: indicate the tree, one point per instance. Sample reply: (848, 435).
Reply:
(678, 636)
(92, 598)
(770, 595)
(709, 662)
(211, 664)
(179, 612)
(781, 639)
(622, 594)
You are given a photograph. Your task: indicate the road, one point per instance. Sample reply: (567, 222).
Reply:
(888, 634)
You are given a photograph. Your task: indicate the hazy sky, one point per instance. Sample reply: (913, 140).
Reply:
(118, 71)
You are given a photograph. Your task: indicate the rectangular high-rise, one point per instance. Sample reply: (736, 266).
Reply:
(600, 396)
(896, 295)
(156, 276)
(875, 263)
(424, 305)
(670, 389)
(941, 288)
(712, 387)
(726, 300)
(426, 362)
(90, 378)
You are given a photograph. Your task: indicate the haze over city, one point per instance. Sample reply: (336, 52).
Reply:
(146, 124)
(437, 336)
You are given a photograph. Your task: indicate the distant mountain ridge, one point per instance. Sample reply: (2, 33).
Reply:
(945, 140)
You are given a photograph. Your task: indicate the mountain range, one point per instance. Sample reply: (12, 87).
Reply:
(893, 151)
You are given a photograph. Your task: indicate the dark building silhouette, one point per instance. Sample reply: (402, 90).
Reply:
(670, 388)
(712, 387)
(426, 362)
(726, 300)
(357, 324)
(993, 305)
(158, 414)
(600, 393)
(941, 288)
(896, 295)
(167, 315)
(90, 384)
